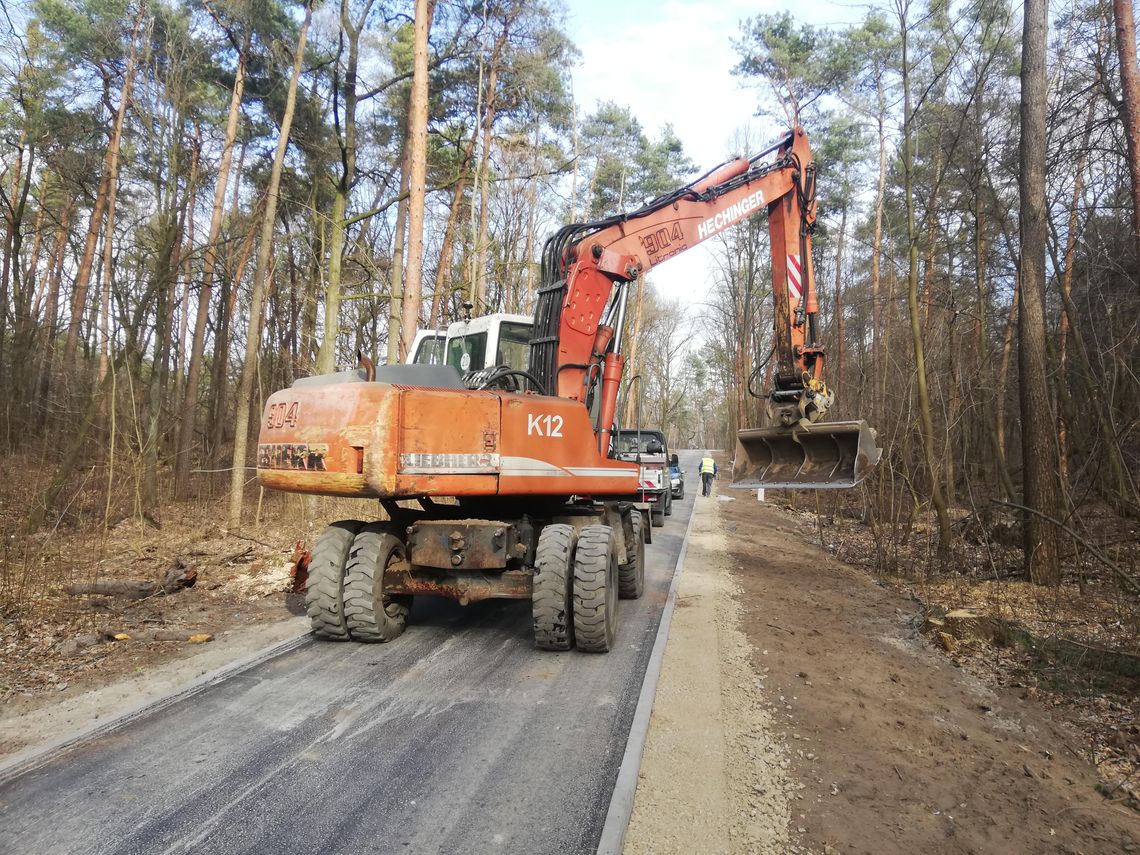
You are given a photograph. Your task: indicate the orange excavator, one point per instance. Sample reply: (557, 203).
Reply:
(505, 482)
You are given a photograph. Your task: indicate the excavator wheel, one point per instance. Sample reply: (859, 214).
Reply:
(595, 589)
(372, 615)
(324, 595)
(551, 602)
(657, 517)
(631, 575)
(669, 502)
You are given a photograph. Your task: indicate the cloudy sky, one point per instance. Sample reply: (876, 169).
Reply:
(671, 61)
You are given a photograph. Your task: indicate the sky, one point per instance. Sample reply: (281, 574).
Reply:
(670, 61)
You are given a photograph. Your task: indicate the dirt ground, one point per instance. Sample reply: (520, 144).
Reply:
(888, 746)
(67, 660)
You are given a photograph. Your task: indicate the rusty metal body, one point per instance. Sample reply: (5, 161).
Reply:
(373, 439)
(466, 586)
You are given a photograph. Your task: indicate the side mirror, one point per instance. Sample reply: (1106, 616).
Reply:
(675, 460)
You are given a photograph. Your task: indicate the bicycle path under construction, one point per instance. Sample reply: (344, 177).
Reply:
(457, 737)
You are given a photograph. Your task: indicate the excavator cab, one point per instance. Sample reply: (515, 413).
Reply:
(806, 456)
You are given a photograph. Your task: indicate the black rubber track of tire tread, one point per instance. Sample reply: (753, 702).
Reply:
(657, 518)
(591, 565)
(631, 579)
(367, 558)
(551, 600)
(324, 603)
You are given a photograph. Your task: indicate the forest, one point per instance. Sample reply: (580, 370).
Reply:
(203, 201)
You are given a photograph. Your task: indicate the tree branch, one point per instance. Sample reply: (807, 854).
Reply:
(1128, 580)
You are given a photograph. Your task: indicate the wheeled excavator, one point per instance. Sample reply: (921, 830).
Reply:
(506, 483)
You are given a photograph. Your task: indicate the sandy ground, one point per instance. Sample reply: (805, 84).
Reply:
(801, 710)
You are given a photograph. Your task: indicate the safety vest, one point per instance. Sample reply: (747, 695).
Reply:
(708, 466)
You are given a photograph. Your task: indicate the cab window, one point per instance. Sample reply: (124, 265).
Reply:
(467, 352)
(514, 345)
(430, 350)
(629, 443)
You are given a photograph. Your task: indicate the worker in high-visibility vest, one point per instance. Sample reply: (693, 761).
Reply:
(708, 472)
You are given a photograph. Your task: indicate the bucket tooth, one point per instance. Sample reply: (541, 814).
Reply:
(824, 455)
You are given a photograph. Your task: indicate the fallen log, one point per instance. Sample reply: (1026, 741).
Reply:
(177, 578)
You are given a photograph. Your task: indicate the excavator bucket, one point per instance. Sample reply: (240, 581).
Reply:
(823, 455)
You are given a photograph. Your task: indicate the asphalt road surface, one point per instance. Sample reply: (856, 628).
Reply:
(458, 737)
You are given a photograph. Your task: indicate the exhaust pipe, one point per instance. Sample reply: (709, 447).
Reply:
(823, 455)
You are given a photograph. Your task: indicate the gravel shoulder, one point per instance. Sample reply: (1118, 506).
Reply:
(800, 709)
(713, 774)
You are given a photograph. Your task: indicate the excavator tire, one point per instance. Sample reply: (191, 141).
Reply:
(370, 614)
(324, 594)
(595, 589)
(551, 600)
(669, 502)
(657, 517)
(631, 575)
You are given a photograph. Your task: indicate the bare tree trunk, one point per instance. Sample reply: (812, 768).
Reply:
(634, 343)
(1006, 360)
(110, 171)
(108, 280)
(1067, 279)
(531, 223)
(927, 422)
(228, 301)
(480, 295)
(257, 298)
(189, 404)
(985, 369)
(1130, 102)
(13, 241)
(7, 251)
(27, 303)
(878, 367)
(165, 272)
(443, 269)
(41, 387)
(577, 162)
(183, 301)
(479, 273)
(1038, 443)
(326, 355)
(417, 184)
(396, 274)
(838, 383)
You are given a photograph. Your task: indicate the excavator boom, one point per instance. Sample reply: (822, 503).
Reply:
(587, 269)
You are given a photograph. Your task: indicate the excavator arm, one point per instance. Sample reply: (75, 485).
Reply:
(587, 271)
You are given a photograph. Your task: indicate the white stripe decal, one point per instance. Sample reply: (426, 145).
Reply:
(529, 467)
(795, 289)
(601, 472)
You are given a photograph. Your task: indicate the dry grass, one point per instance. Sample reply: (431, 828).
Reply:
(50, 640)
